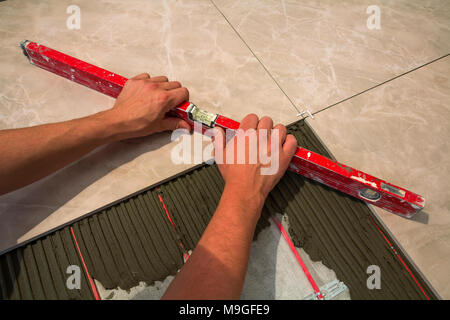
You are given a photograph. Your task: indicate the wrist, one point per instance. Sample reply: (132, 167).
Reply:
(113, 127)
(246, 197)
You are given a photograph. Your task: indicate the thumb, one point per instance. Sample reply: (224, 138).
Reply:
(172, 123)
(289, 149)
(218, 139)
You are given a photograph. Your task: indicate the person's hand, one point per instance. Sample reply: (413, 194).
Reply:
(248, 180)
(141, 107)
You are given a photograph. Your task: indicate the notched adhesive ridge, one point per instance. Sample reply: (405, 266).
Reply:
(133, 240)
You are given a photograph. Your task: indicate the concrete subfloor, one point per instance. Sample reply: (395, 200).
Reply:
(273, 273)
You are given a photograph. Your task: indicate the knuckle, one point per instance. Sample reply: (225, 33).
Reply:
(151, 85)
(141, 76)
(250, 117)
(163, 97)
(185, 91)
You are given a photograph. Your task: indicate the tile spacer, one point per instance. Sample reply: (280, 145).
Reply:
(307, 112)
(329, 291)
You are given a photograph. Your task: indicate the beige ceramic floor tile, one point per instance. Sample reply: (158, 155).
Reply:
(400, 132)
(187, 40)
(321, 52)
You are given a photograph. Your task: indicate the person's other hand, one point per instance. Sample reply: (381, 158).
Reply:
(141, 107)
(246, 179)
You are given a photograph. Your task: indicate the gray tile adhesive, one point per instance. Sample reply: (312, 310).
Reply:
(132, 240)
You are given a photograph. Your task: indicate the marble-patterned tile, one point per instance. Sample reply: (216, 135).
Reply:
(322, 52)
(187, 40)
(400, 132)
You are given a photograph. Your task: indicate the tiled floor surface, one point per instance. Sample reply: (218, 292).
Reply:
(380, 96)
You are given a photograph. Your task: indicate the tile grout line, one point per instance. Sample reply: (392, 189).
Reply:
(329, 106)
(256, 57)
(381, 83)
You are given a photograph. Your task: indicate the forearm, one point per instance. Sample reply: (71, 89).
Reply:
(217, 267)
(30, 154)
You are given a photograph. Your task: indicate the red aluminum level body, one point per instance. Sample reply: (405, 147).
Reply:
(305, 162)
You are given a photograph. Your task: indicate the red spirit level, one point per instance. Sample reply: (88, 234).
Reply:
(307, 163)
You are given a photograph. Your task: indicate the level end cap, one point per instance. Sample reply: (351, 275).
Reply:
(23, 46)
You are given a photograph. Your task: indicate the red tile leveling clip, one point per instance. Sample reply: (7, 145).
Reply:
(305, 162)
